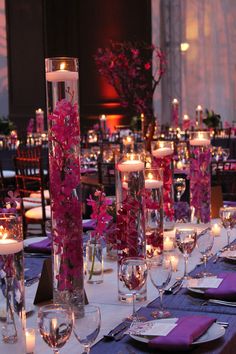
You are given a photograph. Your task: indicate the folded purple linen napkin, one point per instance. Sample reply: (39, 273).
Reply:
(188, 329)
(44, 246)
(226, 290)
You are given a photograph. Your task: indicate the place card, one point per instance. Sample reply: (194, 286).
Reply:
(154, 328)
(204, 283)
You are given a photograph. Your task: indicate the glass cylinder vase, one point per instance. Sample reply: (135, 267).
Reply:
(200, 175)
(12, 295)
(154, 211)
(163, 151)
(130, 204)
(64, 168)
(94, 261)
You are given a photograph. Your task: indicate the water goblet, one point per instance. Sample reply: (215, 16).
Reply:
(55, 324)
(228, 219)
(186, 241)
(87, 323)
(160, 271)
(133, 272)
(205, 242)
(180, 186)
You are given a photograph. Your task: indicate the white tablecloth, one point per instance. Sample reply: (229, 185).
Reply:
(105, 296)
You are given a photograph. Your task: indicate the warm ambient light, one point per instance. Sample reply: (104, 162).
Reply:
(184, 46)
(62, 66)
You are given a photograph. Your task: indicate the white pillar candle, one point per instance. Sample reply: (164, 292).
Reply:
(174, 262)
(216, 229)
(30, 340)
(199, 116)
(131, 166)
(168, 243)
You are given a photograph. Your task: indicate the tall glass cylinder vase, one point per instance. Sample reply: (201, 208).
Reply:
(162, 152)
(12, 294)
(154, 211)
(130, 193)
(200, 175)
(64, 166)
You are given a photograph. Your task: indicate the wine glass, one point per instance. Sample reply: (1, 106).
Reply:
(55, 323)
(180, 186)
(133, 272)
(205, 242)
(87, 323)
(225, 154)
(228, 219)
(160, 271)
(186, 242)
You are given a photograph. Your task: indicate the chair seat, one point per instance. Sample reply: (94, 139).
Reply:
(37, 213)
(8, 174)
(37, 194)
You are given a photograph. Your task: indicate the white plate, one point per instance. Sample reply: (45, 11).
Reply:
(196, 290)
(214, 332)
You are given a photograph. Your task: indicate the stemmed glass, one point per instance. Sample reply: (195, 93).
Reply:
(228, 219)
(87, 323)
(133, 272)
(205, 242)
(180, 186)
(225, 154)
(186, 242)
(55, 324)
(160, 271)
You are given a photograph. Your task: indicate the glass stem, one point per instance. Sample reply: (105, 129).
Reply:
(134, 314)
(161, 291)
(185, 266)
(228, 238)
(86, 349)
(205, 263)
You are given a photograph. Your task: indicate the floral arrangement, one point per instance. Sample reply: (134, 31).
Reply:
(64, 158)
(99, 214)
(212, 120)
(127, 67)
(6, 126)
(200, 183)
(168, 202)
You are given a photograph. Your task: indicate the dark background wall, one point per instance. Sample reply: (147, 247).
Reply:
(45, 28)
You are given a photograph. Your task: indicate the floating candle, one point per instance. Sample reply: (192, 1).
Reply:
(62, 75)
(9, 246)
(162, 152)
(131, 166)
(153, 183)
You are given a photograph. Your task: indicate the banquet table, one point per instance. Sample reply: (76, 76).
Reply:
(113, 312)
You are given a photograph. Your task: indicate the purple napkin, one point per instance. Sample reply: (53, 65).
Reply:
(188, 329)
(88, 224)
(44, 246)
(226, 290)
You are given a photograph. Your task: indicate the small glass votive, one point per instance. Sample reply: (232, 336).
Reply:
(30, 340)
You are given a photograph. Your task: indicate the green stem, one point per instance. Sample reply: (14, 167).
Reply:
(93, 262)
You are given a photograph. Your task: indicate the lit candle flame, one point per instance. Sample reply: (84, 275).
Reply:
(150, 175)
(62, 66)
